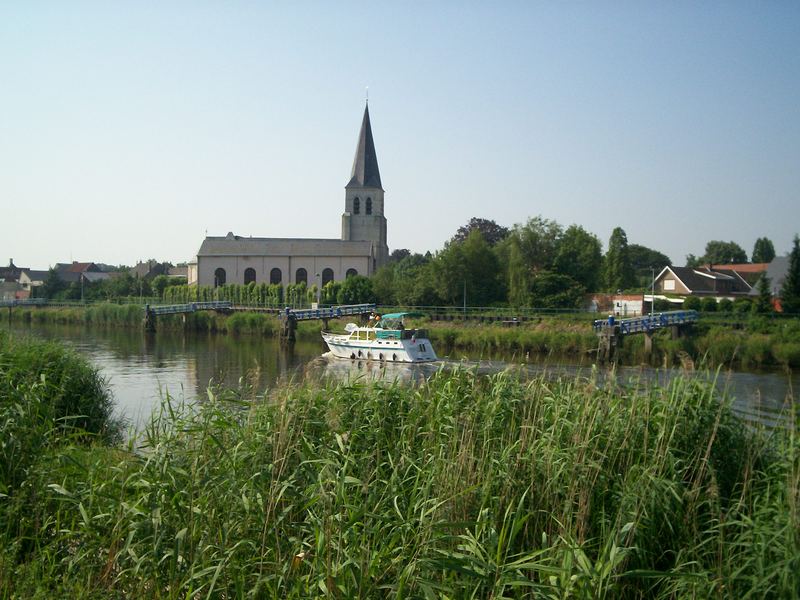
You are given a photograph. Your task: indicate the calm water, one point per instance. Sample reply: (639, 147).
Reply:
(142, 367)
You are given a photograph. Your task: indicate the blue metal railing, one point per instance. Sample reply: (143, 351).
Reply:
(647, 323)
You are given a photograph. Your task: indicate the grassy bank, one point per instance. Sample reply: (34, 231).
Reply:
(750, 343)
(464, 487)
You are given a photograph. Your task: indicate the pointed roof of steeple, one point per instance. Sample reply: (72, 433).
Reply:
(365, 164)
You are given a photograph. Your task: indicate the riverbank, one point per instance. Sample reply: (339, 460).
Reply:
(752, 343)
(463, 486)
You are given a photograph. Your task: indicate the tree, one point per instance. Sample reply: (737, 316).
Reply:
(644, 258)
(619, 274)
(763, 250)
(723, 253)
(398, 255)
(790, 292)
(579, 255)
(491, 231)
(356, 290)
(554, 290)
(763, 303)
(53, 284)
(470, 264)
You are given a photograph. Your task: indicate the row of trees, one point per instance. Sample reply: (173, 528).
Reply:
(719, 252)
(120, 285)
(538, 263)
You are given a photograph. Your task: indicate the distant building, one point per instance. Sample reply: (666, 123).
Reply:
(360, 251)
(12, 272)
(702, 281)
(71, 272)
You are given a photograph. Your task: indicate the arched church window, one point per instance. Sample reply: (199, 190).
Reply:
(369, 206)
(275, 275)
(249, 275)
(356, 206)
(351, 273)
(219, 277)
(301, 276)
(327, 275)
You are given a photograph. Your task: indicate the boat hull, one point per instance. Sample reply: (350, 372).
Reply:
(387, 350)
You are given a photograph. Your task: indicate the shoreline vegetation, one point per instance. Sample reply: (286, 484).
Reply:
(461, 486)
(750, 341)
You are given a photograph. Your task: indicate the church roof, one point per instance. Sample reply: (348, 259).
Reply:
(235, 245)
(365, 164)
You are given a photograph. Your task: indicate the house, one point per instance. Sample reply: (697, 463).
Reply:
(149, 270)
(750, 272)
(701, 281)
(31, 278)
(11, 273)
(71, 272)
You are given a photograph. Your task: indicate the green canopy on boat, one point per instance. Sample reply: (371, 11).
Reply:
(400, 315)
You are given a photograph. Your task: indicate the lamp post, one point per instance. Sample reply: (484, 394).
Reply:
(653, 292)
(319, 288)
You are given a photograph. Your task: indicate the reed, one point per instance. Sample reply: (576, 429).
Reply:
(462, 487)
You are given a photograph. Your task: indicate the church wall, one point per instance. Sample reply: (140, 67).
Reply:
(235, 266)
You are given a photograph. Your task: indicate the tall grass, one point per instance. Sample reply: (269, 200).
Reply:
(464, 487)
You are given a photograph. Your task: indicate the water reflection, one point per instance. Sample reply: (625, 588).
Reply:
(142, 367)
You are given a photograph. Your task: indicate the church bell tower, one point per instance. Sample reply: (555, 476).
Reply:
(363, 218)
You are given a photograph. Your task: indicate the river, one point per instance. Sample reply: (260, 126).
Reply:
(141, 368)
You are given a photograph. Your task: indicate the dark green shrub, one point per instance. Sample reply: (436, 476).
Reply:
(692, 303)
(709, 305)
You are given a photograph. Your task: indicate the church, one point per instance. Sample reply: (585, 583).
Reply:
(361, 250)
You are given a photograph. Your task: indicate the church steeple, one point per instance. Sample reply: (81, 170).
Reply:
(365, 171)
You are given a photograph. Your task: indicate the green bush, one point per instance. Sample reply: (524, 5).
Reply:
(709, 305)
(692, 303)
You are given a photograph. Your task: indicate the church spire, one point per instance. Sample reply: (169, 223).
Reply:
(365, 164)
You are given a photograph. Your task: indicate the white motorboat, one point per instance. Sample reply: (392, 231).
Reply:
(386, 340)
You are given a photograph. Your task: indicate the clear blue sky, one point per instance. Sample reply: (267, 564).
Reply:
(128, 129)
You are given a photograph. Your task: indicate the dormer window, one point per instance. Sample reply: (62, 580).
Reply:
(357, 206)
(369, 206)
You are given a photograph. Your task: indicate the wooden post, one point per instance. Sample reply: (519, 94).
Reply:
(648, 343)
(149, 319)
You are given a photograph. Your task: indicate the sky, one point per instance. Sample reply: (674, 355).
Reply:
(129, 130)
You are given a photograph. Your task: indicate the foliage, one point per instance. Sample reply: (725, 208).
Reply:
(643, 258)
(398, 255)
(719, 253)
(553, 290)
(618, 270)
(465, 487)
(693, 303)
(467, 267)
(763, 250)
(763, 302)
(709, 305)
(252, 294)
(492, 232)
(579, 256)
(725, 305)
(356, 290)
(790, 292)
(53, 285)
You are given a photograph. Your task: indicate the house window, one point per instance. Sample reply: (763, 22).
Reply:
(275, 276)
(219, 277)
(301, 276)
(351, 273)
(369, 206)
(327, 275)
(249, 275)
(669, 285)
(356, 206)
